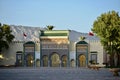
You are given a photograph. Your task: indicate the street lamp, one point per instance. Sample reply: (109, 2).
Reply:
(1, 56)
(40, 45)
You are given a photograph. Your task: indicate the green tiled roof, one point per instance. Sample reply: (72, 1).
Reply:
(19, 52)
(93, 52)
(30, 42)
(82, 42)
(54, 33)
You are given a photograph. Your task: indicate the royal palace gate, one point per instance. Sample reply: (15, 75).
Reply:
(54, 49)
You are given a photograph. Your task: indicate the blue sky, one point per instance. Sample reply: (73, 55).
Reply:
(76, 15)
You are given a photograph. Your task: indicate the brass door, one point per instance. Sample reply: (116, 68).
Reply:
(30, 60)
(38, 63)
(82, 61)
(72, 63)
(55, 60)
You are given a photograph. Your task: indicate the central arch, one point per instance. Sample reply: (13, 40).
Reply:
(82, 60)
(55, 60)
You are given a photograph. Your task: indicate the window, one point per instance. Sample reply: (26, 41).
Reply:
(94, 58)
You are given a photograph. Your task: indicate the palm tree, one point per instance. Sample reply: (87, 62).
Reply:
(50, 27)
(5, 36)
(82, 38)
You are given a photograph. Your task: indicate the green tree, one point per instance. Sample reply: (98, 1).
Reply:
(5, 36)
(107, 27)
(50, 27)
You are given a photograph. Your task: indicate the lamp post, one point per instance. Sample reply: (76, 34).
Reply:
(1, 58)
(40, 46)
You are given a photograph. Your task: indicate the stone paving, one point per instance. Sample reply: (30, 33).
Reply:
(55, 74)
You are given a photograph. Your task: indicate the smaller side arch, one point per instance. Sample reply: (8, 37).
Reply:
(72, 63)
(45, 60)
(64, 61)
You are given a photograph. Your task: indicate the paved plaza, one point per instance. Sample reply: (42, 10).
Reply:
(55, 74)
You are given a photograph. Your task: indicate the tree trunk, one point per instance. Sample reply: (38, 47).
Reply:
(118, 59)
(111, 60)
(115, 59)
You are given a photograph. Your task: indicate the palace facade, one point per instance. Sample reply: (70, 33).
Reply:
(56, 48)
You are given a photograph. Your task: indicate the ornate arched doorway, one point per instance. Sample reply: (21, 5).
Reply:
(55, 60)
(45, 61)
(64, 61)
(29, 60)
(82, 61)
(82, 53)
(29, 54)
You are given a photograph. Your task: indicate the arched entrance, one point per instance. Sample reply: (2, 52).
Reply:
(29, 54)
(55, 60)
(82, 53)
(45, 61)
(29, 60)
(82, 61)
(64, 61)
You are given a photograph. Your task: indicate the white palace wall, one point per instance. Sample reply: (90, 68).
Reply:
(95, 46)
(10, 54)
